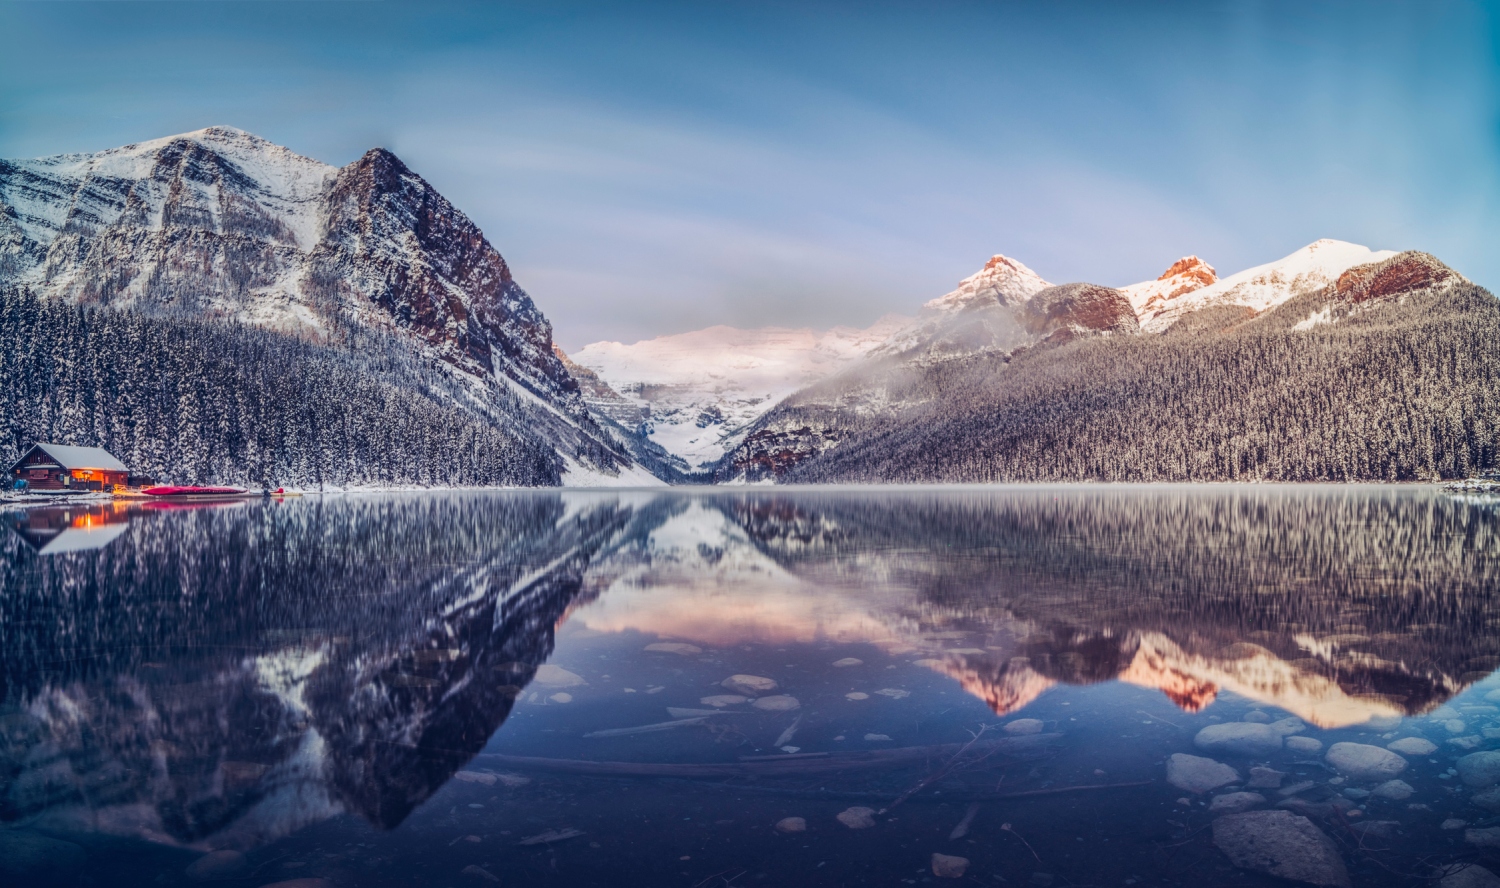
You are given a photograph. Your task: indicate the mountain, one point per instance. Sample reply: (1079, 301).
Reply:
(1184, 276)
(1304, 369)
(1308, 270)
(694, 394)
(222, 226)
(975, 315)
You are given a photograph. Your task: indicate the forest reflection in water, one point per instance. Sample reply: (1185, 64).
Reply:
(228, 678)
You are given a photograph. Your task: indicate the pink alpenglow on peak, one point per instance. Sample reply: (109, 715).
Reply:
(1003, 280)
(1311, 268)
(1186, 275)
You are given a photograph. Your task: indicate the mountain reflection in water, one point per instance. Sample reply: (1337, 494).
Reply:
(220, 677)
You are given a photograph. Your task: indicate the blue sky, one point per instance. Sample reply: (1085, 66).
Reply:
(651, 168)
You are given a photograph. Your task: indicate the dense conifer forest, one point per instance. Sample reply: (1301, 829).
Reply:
(199, 401)
(1402, 390)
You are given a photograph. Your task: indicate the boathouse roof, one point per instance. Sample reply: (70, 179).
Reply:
(70, 457)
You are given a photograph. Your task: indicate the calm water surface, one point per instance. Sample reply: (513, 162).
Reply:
(640, 689)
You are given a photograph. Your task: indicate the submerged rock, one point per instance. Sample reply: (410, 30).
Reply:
(1396, 790)
(1364, 762)
(1235, 802)
(1265, 778)
(857, 695)
(1304, 745)
(719, 701)
(1470, 875)
(478, 873)
(1488, 799)
(674, 647)
(749, 685)
(1257, 717)
(550, 676)
(848, 661)
(791, 825)
(1282, 844)
(857, 818)
(946, 866)
(1412, 746)
(1484, 838)
(1382, 722)
(778, 703)
(1238, 738)
(1480, 769)
(1196, 774)
(1379, 829)
(1024, 726)
(1297, 788)
(216, 865)
(37, 858)
(1288, 726)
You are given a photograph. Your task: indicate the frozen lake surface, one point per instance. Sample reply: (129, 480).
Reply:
(1037, 686)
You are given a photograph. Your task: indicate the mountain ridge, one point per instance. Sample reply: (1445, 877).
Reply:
(221, 225)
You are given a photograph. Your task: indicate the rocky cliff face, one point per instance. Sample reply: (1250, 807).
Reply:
(1071, 310)
(223, 224)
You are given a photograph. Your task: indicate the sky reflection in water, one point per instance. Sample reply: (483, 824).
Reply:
(348, 688)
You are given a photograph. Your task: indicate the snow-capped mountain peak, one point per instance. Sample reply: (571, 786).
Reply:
(223, 224)
(1003, 280)
(1313, 267)
(1184, 276)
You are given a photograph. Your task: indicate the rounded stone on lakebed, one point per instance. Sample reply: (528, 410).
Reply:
(848, 661)
(1239, 738)
(857, 817)
(1360, 761)
(1023, 726)
(719, 701)
(777, 703)
(1412, 746)
(749, 685)
(947, 866)
(1469, 875)
(1197, 774)
(216, 865)
(1479, 769)
(791, 825)
(1305, 745)
(1235, 802)
(36, 858)
(556, 677)
(1395, 790)
(674, 647)
(1282, 844)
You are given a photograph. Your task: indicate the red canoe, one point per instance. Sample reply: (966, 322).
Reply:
(195, 491)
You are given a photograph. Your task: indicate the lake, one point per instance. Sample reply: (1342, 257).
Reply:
(1038, 686)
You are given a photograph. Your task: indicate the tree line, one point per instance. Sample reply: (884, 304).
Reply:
(205, 401)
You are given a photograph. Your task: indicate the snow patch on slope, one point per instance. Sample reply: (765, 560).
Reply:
(702, 388)
(576, 474)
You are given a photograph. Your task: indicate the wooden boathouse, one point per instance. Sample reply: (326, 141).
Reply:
(59, 467)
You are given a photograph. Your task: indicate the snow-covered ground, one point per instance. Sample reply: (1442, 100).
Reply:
(703, 388)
